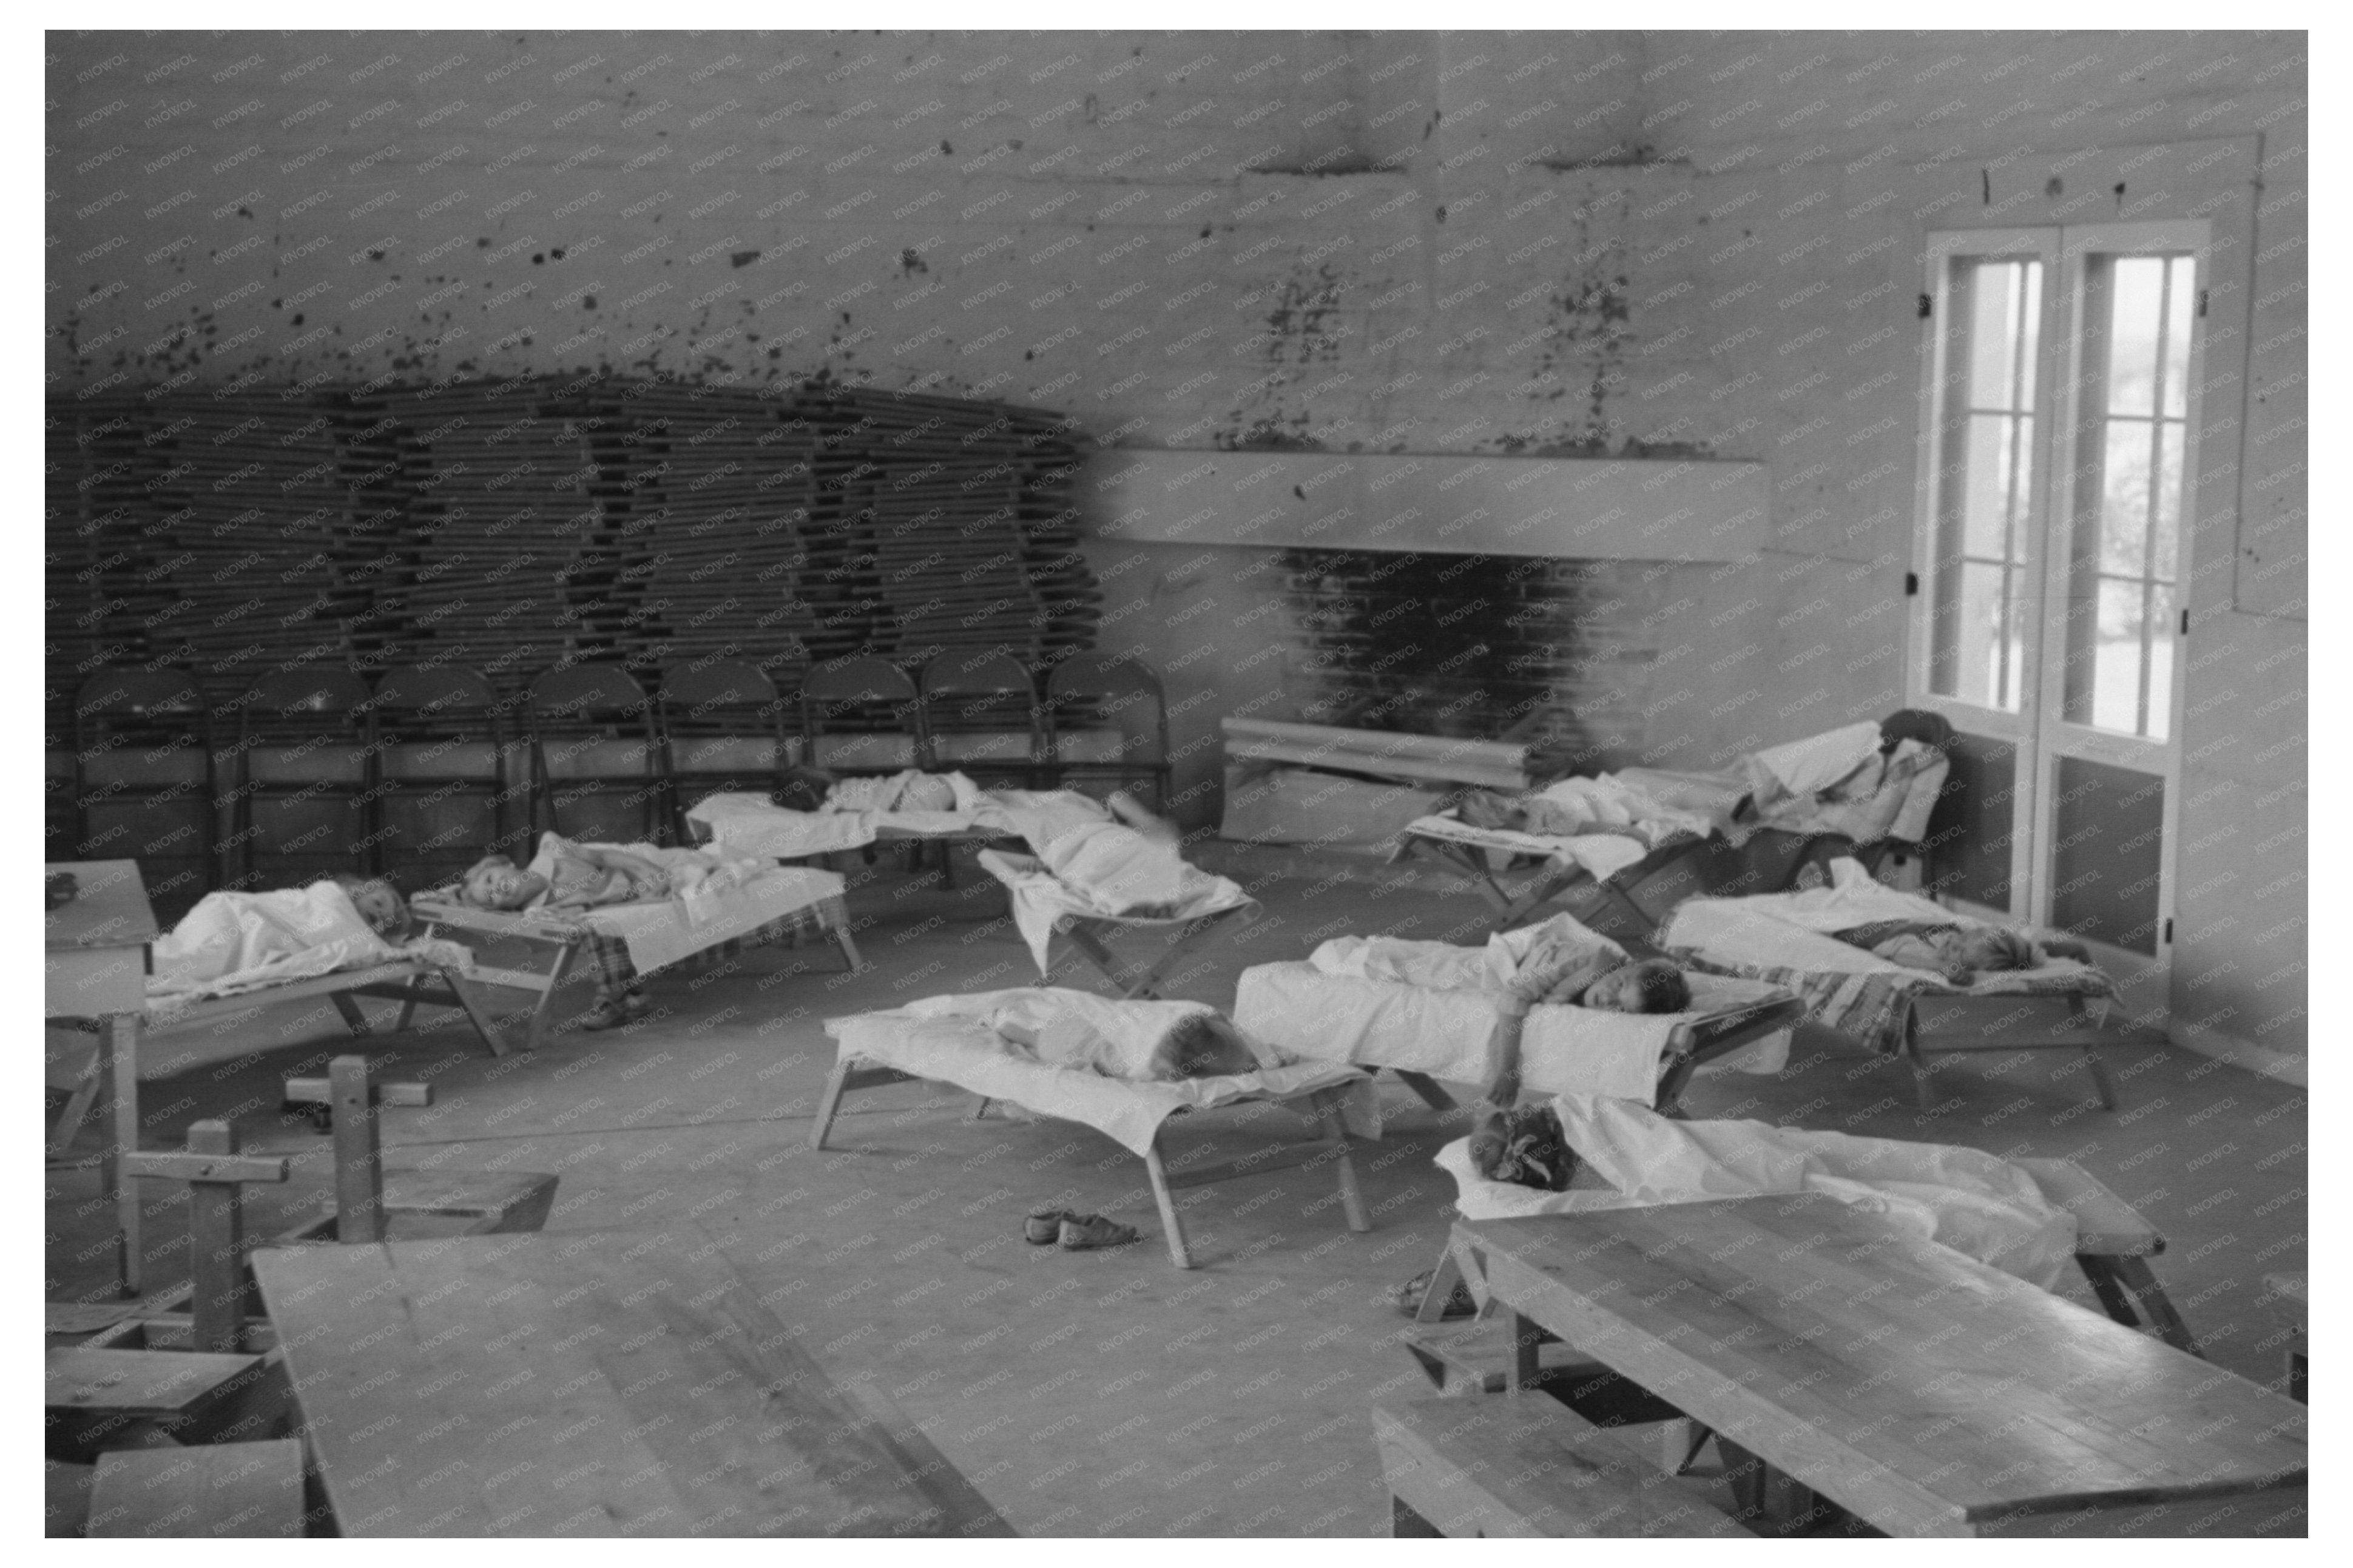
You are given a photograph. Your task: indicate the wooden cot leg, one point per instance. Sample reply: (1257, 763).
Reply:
(1442, 1281)
(2102, 1085)
(477, 1011)
(979, 1107)
(1423, 1085)
(829, 1102)
(1921, 1081)
(2101, 1269)
(77, 1104)
(353, 1019)
(2132, 1274)
(848, 947)
(1335, 1133)
(1406, 1525)
(1527, 1339)
(118, 1044)
(556, 977)
(1161, 1195)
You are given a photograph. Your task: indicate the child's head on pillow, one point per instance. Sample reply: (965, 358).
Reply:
(378, 903)
(495, 882)
(927, 792)
(1653, 985)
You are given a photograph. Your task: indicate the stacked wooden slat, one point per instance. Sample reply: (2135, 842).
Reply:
(513, 558)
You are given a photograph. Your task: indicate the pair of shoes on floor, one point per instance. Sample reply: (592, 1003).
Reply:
(631, 1007)
(1409, 1296)
(1075, 1232)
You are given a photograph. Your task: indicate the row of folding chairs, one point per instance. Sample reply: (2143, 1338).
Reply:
(425, 769)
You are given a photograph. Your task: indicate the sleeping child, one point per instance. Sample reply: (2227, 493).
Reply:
(1134, 1040)
(233, 940)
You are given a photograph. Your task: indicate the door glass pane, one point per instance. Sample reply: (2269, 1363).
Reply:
(2107, 849)
(2116, 658)
(2179, 288)
(2135, 285)
(2156, 697)
(2124, 499)
(1985, 476)
(2165, 537)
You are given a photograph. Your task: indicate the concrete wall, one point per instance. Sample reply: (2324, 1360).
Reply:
(1568, 243)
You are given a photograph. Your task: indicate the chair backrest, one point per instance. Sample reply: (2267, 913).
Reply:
(723, 726)
(593, 749)
(591, 695)
(304, 701)
(1111, 684)
(303, 771)
(144, 780)
(438, 725)
(979, 694)
(871, 694)
(159, 698)
(733, 686)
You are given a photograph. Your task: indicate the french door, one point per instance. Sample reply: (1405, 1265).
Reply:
(2061, 375)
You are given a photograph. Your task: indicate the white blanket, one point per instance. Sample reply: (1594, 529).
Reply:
(1447, 1035)
(753, 824)
(1637, 822)
(1043, 902)
(1962, 1198)
(949, 1040)
(1793, 931)
(235, 942)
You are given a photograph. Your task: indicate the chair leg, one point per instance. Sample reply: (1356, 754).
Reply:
(1169, 1223)
(829, 1102)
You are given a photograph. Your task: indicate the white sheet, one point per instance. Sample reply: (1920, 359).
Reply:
(1792, 930)
(754, 825)
(1807, 767)
(946, 1038)
(231, 943)
(1972, 1202)
(1599, 855)
(1043, 901)
(1298, 1008)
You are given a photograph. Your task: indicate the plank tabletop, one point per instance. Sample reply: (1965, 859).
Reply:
(109, 909)
(592, 1382)
(1926, 1392)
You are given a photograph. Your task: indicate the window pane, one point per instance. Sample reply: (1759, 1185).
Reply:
(1993, 334)
(2177, 335)
(1985, 485)
(1981, 626)
(2116, 656)
(2135, 283)
(2124, 499)
(2163, 567)
(2158, 720)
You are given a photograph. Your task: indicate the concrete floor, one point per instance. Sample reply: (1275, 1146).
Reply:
(1108, 1392)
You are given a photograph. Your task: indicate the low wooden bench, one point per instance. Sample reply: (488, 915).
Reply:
(2290, 1296)
(1528, 1469)
(245, 1489)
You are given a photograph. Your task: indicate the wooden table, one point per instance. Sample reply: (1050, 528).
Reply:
(1922, 1390)
(98, 961)
(613, 1382)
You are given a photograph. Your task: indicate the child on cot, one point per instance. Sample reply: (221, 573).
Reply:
(286, 932)
(1138, 1041)
(589, 877)
(1957, 952)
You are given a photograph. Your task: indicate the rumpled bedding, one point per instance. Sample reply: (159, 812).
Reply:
(1972, 1202)
(857, 810)
(1783, 938)
(231, 943)
(1043, 901)
(1639, 823)
(1423, 1007)
(950, 1040)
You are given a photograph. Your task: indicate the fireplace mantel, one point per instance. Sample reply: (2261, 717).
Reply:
(1646, 509)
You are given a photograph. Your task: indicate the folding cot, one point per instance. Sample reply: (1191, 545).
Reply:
(1044, 907)
(1896, 1010)
(751, 824)
(772, 902)
(945, 1039)
(1424, 1034)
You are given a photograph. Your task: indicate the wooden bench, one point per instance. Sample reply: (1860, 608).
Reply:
(2290, 1296)
(246, 1489)
(1528, 1469)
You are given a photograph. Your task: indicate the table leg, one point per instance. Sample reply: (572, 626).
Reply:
(1525, 1338)
(119, 1040)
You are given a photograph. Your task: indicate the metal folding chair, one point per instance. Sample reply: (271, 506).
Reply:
(722, 729)
(595, 764)
(304, 767)
(863, 714)
(448, 761)
(968, 702)
(1090, 692)
(145, 774)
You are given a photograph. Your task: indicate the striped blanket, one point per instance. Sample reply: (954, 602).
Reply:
(1870, 1006)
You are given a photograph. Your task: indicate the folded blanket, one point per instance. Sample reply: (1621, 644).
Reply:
(1972, 1202)
(949, 1040)
(232, 943)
